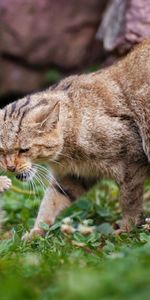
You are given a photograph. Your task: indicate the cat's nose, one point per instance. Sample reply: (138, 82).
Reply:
(11, 168)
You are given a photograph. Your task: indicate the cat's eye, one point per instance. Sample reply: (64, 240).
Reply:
(24, 150)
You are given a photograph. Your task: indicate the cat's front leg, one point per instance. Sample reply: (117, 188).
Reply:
(55, 200)
(5, 183)
(52, 204)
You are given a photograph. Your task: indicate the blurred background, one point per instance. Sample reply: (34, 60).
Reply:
(42, 41)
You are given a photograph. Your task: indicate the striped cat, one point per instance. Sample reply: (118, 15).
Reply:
(84, 127)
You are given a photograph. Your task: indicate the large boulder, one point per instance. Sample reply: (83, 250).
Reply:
(124, 24)
(38, 34)
(65, 34)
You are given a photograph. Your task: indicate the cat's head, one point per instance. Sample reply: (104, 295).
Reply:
(29, 132)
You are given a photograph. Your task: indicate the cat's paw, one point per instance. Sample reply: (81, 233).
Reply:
(35, 232)
(119, 231)
(125, 226)
(5, 183)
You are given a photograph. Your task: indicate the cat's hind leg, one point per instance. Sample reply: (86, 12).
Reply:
(131, 190)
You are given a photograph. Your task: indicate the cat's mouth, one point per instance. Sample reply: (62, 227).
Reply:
(26, 175)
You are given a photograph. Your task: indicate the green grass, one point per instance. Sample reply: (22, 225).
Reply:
(75, 266)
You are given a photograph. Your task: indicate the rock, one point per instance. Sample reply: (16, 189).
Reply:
(17, 79)
(124, 24)
(38, 34)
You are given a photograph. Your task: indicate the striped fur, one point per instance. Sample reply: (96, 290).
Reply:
(84, 127)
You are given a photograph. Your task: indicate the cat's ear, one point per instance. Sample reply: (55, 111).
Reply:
(45, 116)
(50, 117)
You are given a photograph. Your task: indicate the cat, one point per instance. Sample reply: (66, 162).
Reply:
(84, 127)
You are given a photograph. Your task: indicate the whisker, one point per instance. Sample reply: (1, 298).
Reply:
(47, 179)
(30, 190)
(52, 178)
(33, 174)
(40, 167)
(31, 184)
(38, 179)
(35, 189)
(56, 162)
(49, 176)
(43, 172)
(71, 160)
(65, 155)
